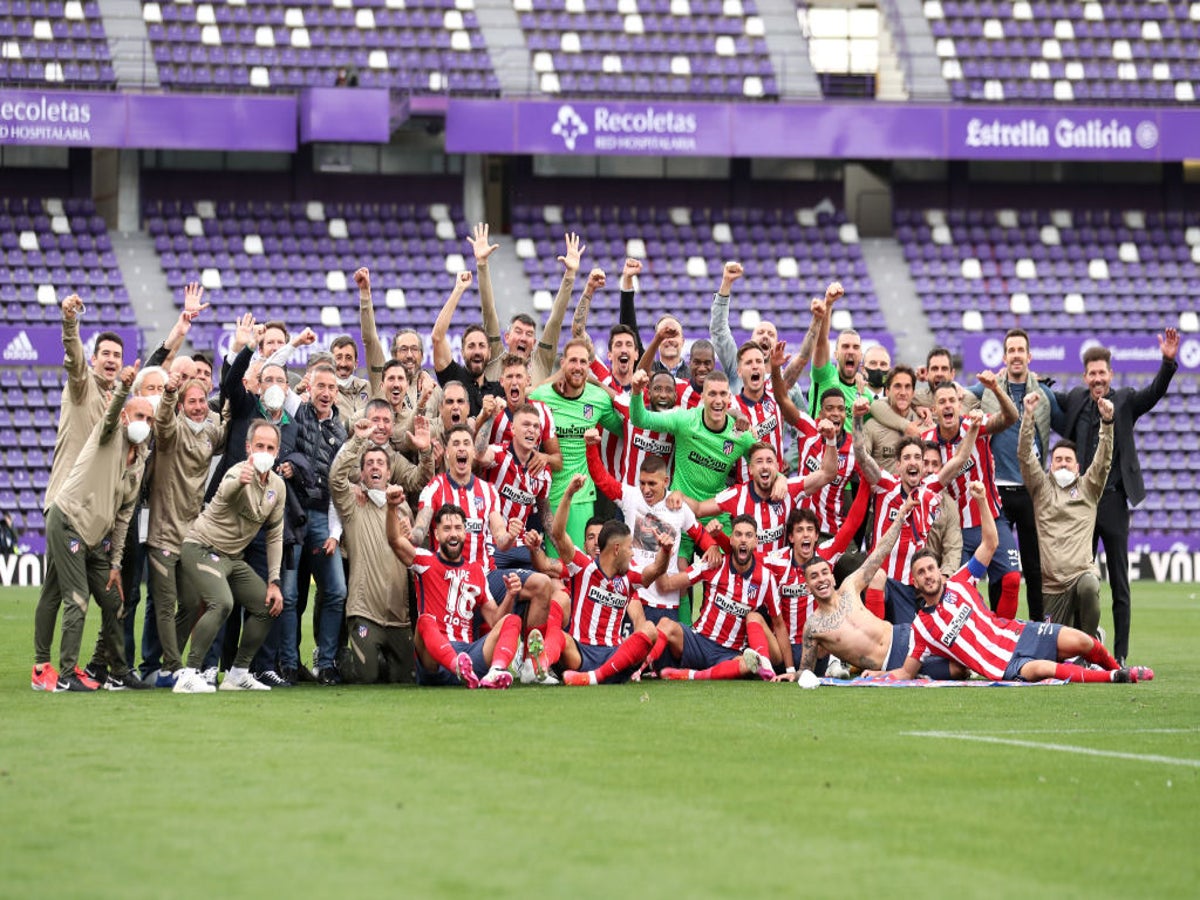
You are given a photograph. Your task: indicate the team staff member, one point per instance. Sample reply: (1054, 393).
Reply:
(1066, 517)
(85, 536)
(470, 372)
(353, 392)
(186, 437)
(1080, 422)
(215, 575)
(381, 643)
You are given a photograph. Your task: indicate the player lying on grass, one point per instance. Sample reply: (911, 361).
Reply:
(843, 627)
(955, 623)
(449, 591)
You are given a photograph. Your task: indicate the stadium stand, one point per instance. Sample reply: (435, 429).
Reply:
(698, 49)
(417, 46)
(1032, 50)
(51, 43)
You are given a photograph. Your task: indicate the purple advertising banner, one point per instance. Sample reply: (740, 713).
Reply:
(1063, 353)
(41, 345)
(192, 122)
(358, 115)
(855, 130)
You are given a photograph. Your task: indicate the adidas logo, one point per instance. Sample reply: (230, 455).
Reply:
(20, 348)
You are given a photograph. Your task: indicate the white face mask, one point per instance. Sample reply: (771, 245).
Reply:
(378, 497)
(196, 427)
(1064, 477)
(154, 399)
(272, 398)
(345, 382)
(137, 432)
(263, 462)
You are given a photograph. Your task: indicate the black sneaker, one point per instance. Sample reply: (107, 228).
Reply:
(72, 684)
(1122, 676)
(98, 672)
(305, 675)
(288, 675)
(272, 679)
(126, 682)
(328, 676)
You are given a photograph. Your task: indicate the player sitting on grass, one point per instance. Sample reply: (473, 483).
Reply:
(842, 626)
(603, 596)
(449, 591)
(955, 623)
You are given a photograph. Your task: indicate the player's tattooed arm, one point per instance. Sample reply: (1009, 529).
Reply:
(866, 462)
(420, 529)
(863, 575)
(808, 649)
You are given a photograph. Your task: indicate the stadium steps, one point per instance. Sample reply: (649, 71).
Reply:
(155, 308)
(129, 45)
(890, 83)
(902, 311)
(506, 46)
(914, 42)
(788, 49)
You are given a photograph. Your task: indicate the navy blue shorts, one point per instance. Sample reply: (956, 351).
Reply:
(443, 677)
(496, 588)
(1038, 641)
(700, 652)
(1006, 558)
(933, 666)
(654, 614)
(594, 657)
(900, 601)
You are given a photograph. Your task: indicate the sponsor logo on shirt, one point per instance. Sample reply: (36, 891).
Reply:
(794, 590)
(650, 445)
(767, 535)
(610, 599)
(950, 635)
(705, 462)
(727, 604)
(474, 526)
(524, 498)
(766, 426)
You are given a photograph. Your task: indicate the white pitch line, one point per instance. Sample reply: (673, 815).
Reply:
(1062, 748)
(1082, 731)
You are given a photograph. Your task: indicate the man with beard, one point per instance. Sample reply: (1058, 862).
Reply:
(469, 373)
(451, 591)
(840, 626)
(729, 637)
(377, 620)
(85, 537)
(878, 439)
(1004, 571)
(840, 371)
(954, 623)
(637, 444)
(756, 402)
(577, 405)
(187, 434)
(939, 370)
(701, 361)
(767, 496)
(495, 420)
(353, 392)
(523, 331)
(412, 478)
(931, 522)
(407, 347)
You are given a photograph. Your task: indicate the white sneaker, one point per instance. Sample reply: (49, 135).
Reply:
(210, 675)
(496, 679)
(548, 680)
(835, 668)
(518, 661)
(242, 682)
(752, 660)
(527, 676)
(191, 681)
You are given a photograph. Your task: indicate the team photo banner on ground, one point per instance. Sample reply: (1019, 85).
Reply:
(41, 345)
(833, 130)
(1064, 352)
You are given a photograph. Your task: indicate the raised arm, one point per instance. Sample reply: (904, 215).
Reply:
(558, 529)
(989, 538)
(814, 481)
(779, 387)
(372, 347)
(628, 312)
(1035, 477)
(862, 576)
(547, 347)
(718, 319)
(166, 419)
(399, 532)
(1008, 410)
(666, 329)
(820, 357)
(596, 280)
(482, 247)
(797, 364)
(112, 415)
(441, 326)
(74, 355)
(954, 466)
(608, 485)
(1097, 474)
(866, 463)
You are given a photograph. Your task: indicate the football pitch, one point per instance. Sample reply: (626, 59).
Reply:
(745, 789)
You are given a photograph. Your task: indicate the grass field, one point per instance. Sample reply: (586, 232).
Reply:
(737, 790)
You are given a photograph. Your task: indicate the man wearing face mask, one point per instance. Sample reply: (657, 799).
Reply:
(215, 574)
(377, 617)
(187, 434)
(469, 373)
(85, 535)
(881, 440)
(353, 392)
(1064, 502)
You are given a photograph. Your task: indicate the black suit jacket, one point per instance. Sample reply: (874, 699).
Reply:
(1129, 405)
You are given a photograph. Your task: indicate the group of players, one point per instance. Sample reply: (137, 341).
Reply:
(561, 518)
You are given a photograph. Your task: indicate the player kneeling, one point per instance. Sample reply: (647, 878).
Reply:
(449, 591)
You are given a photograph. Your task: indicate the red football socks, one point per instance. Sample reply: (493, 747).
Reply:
(552, 637)
(756, 637)
(630, 653)
(1100, 656)
(506, 644)
(875, 603)
(1080, 675)
(660, 644)
(1010, 595)
(725, 671)
(436, 643)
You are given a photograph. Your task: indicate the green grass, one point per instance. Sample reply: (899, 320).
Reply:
(644, 790)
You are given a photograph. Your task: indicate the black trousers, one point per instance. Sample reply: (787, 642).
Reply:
(1112, 528)
(1018, 509)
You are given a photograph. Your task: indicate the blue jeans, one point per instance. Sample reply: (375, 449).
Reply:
(331, 587)
(281, 649)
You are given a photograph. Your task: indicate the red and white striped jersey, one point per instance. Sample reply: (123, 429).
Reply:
(688, 396)
(771, 515)
(730, 596)
(634, 446)
(450, 592)
(980, 467)
(962, 628)
(766, 423)
(830, 503)
(612, 446)
(477, 498)
(598, 607)
(794, 604)
(500, 427)
(519, 491)
(889, 497)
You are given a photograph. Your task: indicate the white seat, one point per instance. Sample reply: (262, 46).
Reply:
(1161, 71)
(1134, 219)
(724, 46)
(750, 319)
(552, 214)
(364, 19)
(1192, 235)
(1074, 305)
(315, 211)
(46, 295)
(1093, 12)
(1074, 70)
(252, 245)
(338, 230)
(972, 269)
(575, 6)
(697, 267)
(445, 230)
(752, 86)
(1049, 236)
(543, 301)
(993, 30)
(723, 234)
(841, 320)
(526, 248)
(993, 89)
(1128, 252)
(1019, 304)
(301, 39)
(73, 11)
(1062, 218)
(335, 281)
(455, 263)
(806, 218)
(53, 72)
(1121, 49)
(452, 20)
(633, 24)
(152, 14)
(293, 18)
(259, 77)
(1051, 49)
(972, 320)
(755, 27)
(60, 225)
(42, 30)
(1026, 269)
(933, 217)
(1039, 69)
(627, 7)
(331, 317)
(548, 83)
(1063, 91)
(28, 241)
(945, 48)
(210, 36)
(787, 267)
(1184, 92)
(933, 10)
(1098, 270)
(611, 64)
(1189, 321)
(681, 65)
(848, 233)
(460, 41)
(394, 298)
(681, 8)
(210, 279)
(193, 227)
(1151, 31)
(205, 14)
(264, 36)
(1021, 11)
(635, 248)
(952, 69)
(940, 234)
(1064, 30)
(1007, 218)
(733, 9)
